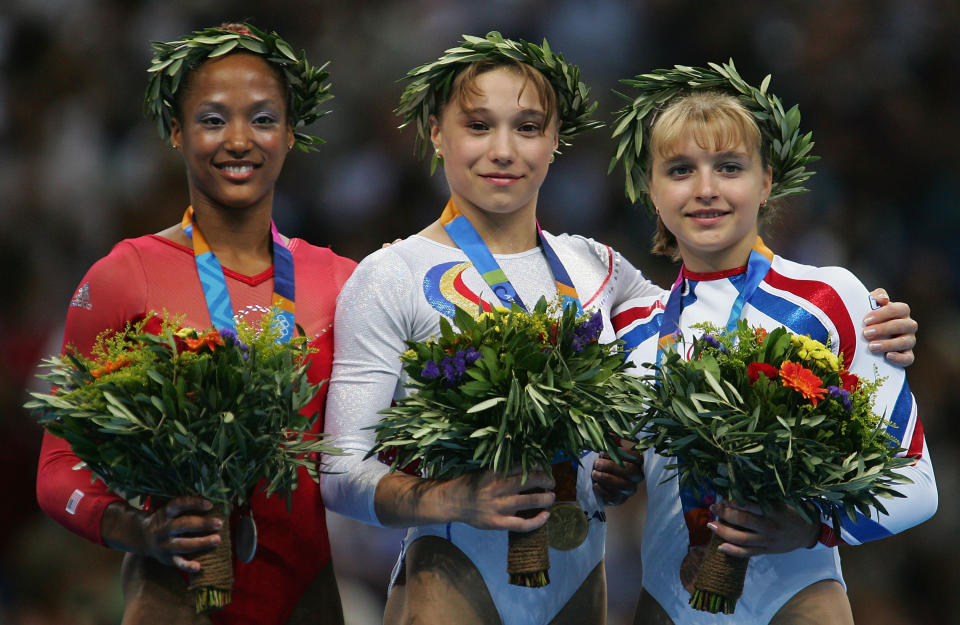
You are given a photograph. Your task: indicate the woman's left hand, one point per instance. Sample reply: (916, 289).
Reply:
(614, 483)
(748, 531)
(890, 329)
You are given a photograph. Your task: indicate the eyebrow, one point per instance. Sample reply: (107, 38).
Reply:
(681, 157)
(525, 113)
(218, 105)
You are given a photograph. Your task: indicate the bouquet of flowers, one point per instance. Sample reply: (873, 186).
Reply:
(772, 419)
(514, 389)
(160, 411)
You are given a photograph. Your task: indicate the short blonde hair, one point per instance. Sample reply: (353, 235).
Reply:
(715, 121)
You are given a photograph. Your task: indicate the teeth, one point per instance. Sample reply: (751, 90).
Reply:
(238, 170)
(709, 215)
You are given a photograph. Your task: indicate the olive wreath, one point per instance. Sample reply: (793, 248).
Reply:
(430, 84)
(789, 150)
(307, 86)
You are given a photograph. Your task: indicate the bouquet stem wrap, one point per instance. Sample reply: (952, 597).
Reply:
(213, 584)
(528, 555)
(719, 582)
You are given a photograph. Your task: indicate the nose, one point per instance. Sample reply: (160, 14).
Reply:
(502, 148)
(237, 139)
(706, 187)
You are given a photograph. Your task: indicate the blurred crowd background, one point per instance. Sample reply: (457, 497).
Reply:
(81, 168)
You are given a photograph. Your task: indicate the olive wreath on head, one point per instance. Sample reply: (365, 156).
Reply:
(430, 84)
(789, 150)
(172, 61)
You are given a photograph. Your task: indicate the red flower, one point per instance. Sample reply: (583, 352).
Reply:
(153, 325)
(210, 340)
(850, 382)
(802, 380)
(754, 369)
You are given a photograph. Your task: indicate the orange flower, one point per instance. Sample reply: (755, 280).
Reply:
(111, 366)
(211, 339)
(802, 380)
(761, 334)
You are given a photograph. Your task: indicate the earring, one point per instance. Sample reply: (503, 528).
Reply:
(436, 153)
(552, 157)
(763, 204)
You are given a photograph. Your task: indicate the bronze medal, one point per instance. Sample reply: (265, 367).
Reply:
(691, 566)
(245, 541)
(567, 526)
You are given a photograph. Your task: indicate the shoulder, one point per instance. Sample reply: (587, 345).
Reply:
(322, 259)
(583, 247)
(819, 285)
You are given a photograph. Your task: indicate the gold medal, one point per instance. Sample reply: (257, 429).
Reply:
(567, 526)
(691, 566)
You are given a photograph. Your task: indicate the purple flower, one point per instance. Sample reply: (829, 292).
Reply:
(229, 336)
(842, 396)
(712, 341)
(471, 355)
(430, 370)
(586, 332)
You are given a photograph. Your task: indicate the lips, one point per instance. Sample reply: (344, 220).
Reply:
(237, 171)
(707, 217)
(501, 179)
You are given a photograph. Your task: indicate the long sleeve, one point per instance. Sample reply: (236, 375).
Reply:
(108, 292)
(375, 315)
(894, 401)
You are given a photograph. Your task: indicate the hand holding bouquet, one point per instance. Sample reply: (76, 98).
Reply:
(511, 389)
(770, 420)
(160, 411)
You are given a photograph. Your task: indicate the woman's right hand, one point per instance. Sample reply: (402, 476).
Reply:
(170, 534)
(489, 501)
(181, 528)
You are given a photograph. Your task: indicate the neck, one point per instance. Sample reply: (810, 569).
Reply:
(504, 233)
(241, 240)
(712, 261)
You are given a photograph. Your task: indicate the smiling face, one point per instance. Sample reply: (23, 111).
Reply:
(496, 144)
(707, 181)
(233, 132)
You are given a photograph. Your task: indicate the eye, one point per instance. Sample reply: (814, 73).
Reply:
(529, 128)
(730, 168)
(679, 171)
(477, 126)
(264, 119)
(212, 120)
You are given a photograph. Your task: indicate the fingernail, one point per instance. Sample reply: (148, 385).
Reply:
(875, 346)
(723, 549)
(712, 526)
(217, 523)
(870, 332)
(868, 319)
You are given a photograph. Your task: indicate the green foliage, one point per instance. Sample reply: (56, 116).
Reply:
(430, 84)
(177, 412)
(532, 385)
(307, 85)
(780, 437)
(789, 150)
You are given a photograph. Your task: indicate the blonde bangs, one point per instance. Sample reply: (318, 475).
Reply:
(715, 121)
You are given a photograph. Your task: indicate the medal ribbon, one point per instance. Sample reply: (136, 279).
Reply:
(466, 237)
(695, 503)
(215, 285)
